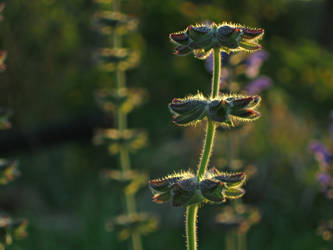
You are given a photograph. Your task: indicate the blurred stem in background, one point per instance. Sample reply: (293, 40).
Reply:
(124, 159)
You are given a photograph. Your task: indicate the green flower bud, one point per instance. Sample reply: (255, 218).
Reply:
(182, 50)
(242, 108)
(230, 179)
(236, 108)
(183, 192)
(181, 38)
(178, 188)
(165, 184)
(188, 111)
(212, 190)
(127, 225)
(233, 193)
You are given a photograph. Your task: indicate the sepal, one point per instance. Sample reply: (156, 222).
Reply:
(188, 111)
(233, 193)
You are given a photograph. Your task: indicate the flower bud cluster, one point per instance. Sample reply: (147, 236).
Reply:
(239, 216)
(126, 225)
(124, 99)
(107, 22)
(119, 58)
(224, 110)
(129, 139)
(120, 101)
(10, 228)
(201, 39)
(183, 188)
(130, 181)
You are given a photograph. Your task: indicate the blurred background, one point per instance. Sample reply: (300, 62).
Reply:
(50, 84)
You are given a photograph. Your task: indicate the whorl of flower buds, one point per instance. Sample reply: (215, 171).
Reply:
(124, 99)
(201, 39)
(130, 181)
(130, 139)
(183, 188)
(120, 58)
(239, 216)
(225, 109)
(127, 225)
(107, 22)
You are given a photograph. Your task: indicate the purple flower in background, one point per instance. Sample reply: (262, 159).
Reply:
(259, 84)
(325, 180)
(321, 153)
(209, 64)
(254, 62)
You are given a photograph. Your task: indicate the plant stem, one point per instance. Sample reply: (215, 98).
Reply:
(191, 231)
(210, 130)
(207, 149)
(216, 73)
(192, 210)
(124, 160)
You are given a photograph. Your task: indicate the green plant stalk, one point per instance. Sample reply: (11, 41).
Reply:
(241, 238)
(192, 210)
(121, 118)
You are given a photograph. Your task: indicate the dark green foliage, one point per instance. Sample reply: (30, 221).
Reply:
(50, 77)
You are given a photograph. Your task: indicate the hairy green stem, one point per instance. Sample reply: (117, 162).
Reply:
(216, 73)
(192, 210)
(124, 160)
(191, 230)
